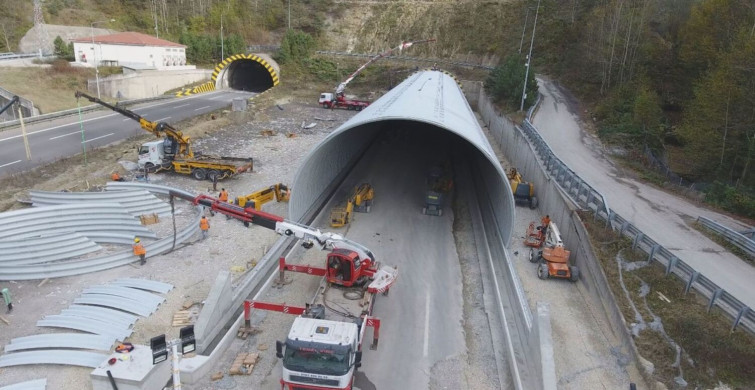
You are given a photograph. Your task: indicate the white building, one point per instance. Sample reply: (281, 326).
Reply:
(130, 49)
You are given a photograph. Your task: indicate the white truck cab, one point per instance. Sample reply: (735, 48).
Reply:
(151, 154)
(320, 354)
(325, 97)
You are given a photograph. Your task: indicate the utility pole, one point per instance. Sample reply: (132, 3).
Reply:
(222, 46)
(521, 42)
(529, 58)
(94, 58)
(289, 14)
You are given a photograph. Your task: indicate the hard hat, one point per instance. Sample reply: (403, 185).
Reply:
(136, 239)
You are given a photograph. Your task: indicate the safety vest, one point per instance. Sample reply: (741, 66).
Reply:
(204, 224)
(223, 196)
(139, 249)
(115, 176)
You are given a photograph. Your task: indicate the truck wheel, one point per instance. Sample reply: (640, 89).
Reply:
(199, 174)
(574, 273)
(533, 203)
(149, 167)
(359, 108)
(533, 256)
(369, 208)
(424, 211)
(542, 271)
(213, 175)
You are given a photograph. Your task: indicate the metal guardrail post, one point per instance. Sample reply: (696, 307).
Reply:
(691, 280)
(637, 240)
(671, 264)
(741, 314)
(652, 252)
(713, 298)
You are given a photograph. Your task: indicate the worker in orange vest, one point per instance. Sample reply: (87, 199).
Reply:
(116, 177)
(223, 195)
(139, 250)
(204, 226)
(546, 221)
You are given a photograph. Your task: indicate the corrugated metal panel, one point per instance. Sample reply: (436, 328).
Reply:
(118, 303)
(136, 202)
(36, 384)
(84, 325)
(62, 340)
(53, 356)
(99, 312)
(42, 249)
(78, 315)
(144, 284)
(426, 97)
(126, 292)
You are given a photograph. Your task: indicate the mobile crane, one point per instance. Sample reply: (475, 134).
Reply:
(174, 152)
(360, 201)
(323, 348)
(338, 98)
(280, 192)
(553, 259)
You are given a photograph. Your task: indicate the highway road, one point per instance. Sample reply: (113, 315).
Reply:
(53, 140)
(662, 216)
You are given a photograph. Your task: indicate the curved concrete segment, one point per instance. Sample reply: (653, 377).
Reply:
(247, 72)
(427, 111)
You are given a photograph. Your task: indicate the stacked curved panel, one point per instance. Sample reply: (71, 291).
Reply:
(135, 202)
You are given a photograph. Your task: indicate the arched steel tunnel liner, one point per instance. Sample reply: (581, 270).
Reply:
(429, 104)
(247, 72)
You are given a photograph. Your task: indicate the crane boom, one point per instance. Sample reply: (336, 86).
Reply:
(404, 45)
(156, 128)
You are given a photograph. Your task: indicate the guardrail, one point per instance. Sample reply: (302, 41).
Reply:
(258, 48)
(75, 111)
(736, 238)
(587, 197)
(405, 58)
(14, 56)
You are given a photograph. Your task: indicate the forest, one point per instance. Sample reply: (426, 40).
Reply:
(668, 82)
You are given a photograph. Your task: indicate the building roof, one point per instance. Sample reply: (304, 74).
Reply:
(129, 38)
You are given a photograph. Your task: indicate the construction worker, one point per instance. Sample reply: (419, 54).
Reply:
(204, 226)
(223, 195)
(6, 297)
(116, 177)
(139, 250)
(546, 221)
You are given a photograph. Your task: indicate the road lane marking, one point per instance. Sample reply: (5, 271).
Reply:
(427, 324)
(96, 138)
(201, 108)
(11, 163)
(64, 135)
(183, 105)
(125, 119)
(56, 127)
(163, 119)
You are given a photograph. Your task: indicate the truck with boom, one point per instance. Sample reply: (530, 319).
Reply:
(338, 98)
(174, 152)
(323, 348)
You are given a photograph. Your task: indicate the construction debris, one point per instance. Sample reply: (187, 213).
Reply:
(4, 320)
(267, 133)
(246, 331)
(182, 318)
(149, 219)
(217, 376)
(244, 363)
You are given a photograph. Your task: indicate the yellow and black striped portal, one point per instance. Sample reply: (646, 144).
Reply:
(253, 57)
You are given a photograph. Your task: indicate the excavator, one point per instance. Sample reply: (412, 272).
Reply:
(553, 259)
(280, 192)
(360, 201)
(338, 98)
(174, 152)
(524, 192)
(348, 263)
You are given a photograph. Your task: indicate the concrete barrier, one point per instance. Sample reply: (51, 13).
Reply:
(149, 83)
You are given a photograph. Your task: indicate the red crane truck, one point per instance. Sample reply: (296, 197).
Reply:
(323, 348)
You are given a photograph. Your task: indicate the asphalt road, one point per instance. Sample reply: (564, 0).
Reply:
(53, 140)
(662, 216)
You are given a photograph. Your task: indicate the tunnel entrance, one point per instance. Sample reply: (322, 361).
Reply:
(248, 75)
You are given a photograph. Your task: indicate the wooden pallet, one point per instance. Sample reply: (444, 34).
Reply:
(244, 363)
(245, 332)
(182, 318)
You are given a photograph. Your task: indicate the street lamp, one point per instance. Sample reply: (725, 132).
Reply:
(94, 55)
(529, 58)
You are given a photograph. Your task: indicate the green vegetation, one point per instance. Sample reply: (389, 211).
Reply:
(295, 47)
(507, 79)
(205, 49)
(56, 84)
(711, 352)
(62, 50)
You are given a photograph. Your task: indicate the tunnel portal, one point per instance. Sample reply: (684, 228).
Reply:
(246, 72)
(422, 123)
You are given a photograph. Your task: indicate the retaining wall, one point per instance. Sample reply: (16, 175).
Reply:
(145, 84)
(27, 106)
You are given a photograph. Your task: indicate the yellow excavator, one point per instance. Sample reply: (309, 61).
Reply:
(280, 192)
(360, 201)
(174, 153)
(524, 192)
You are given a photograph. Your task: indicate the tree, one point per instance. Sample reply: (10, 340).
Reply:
(647, 114)
(62, 50)
(506, 81)
(296, 46)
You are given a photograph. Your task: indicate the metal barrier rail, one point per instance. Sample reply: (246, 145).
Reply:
(14, 56)
(405, 58)
(587, 197)
(736, 238)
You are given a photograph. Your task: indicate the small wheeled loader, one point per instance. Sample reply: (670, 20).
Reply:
(553, 258)
(524, 192)
(439, 182)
